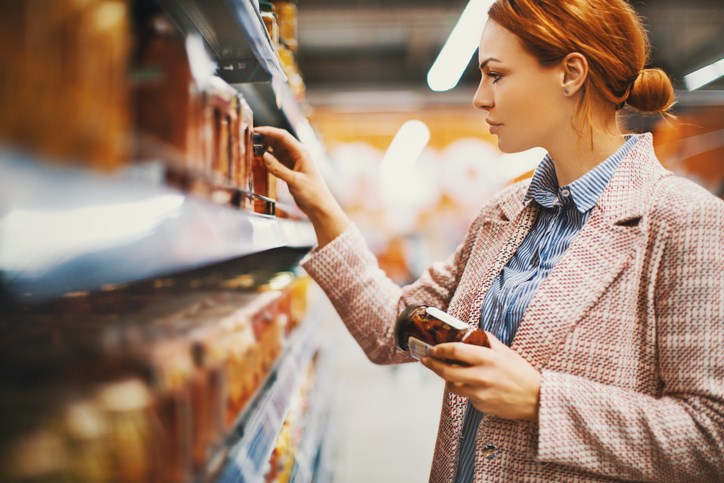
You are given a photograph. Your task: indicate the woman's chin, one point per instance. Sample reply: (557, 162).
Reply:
(507, 147)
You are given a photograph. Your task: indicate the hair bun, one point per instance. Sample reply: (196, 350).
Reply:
(652, 92)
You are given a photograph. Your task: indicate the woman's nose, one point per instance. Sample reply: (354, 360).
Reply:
(482, 99)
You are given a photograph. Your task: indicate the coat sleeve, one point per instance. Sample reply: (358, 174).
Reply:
(679, 434)
(368, 301)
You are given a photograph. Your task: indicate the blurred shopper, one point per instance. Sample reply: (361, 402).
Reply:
(600, 280)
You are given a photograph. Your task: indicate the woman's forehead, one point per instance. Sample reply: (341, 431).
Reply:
(499, 44)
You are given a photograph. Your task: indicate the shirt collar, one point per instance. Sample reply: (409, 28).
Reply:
(584, 192)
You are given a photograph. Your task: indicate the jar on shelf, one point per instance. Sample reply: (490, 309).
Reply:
(291, 70)
(263, 182)
(63, 87)
(172, 371)
(222, 98)
(208, 387)
(125, 406)
(86, 432)
(169, 115)
(287, 19)
(299, 291)
(243, 171)
(420, 327)
(240, 353)
(269, 16)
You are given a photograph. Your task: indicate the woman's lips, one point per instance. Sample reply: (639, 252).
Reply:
(494, 126)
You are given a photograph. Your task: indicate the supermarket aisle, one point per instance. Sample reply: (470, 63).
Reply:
(384, 418)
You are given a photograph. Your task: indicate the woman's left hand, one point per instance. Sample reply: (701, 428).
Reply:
(497, 380)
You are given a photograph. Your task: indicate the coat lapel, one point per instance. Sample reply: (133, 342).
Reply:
(498, 241)
(509, 235)
(592, 262)
(601, 251)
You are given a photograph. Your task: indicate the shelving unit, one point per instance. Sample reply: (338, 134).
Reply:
(252, 441)
(233, 31)
(67, 232)
(129, 221)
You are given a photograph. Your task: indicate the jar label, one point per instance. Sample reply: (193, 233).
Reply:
(418, 348)
(447, 318)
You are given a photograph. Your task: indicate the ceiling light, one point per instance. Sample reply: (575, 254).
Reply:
(705, 75)
(459, 47)
(405, 148)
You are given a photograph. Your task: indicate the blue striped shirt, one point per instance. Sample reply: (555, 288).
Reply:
(563, 213)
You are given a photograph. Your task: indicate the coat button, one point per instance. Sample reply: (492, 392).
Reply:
(490, 452)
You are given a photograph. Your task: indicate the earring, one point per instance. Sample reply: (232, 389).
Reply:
(565, 92)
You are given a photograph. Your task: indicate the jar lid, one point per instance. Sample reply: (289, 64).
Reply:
(399, 326)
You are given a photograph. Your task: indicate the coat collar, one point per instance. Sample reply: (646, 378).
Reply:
(631, 188)
(627, 193)
(604, 248)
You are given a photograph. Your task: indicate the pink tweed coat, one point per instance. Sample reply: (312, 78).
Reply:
(627, 331)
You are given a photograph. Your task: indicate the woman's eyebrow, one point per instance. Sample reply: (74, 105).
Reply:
(485, 62)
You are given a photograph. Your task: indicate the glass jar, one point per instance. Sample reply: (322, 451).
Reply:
(268, 15)
(420, 327)
(286, 12)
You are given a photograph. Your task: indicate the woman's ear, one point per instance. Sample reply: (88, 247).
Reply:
(574, 68)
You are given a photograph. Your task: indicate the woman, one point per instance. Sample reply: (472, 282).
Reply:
(599, 281)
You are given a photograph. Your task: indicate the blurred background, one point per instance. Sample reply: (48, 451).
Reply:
(366, 66)
(155, 323)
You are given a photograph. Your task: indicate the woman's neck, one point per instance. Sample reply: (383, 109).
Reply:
(574, 155)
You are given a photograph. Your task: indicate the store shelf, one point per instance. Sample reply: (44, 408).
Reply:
(67, 230)
(251, 443)
(307, 455)
(234, 32)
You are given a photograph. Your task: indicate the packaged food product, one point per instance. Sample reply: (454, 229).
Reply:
(86, 431)
(63, 88)
(420, 327)
(243, 177)
(264, 183)
(170, 120)
(125, 406)
(208, 390)
(299, 291)
(268, 15)
(286, 12)
(222, 100)
(172, 375)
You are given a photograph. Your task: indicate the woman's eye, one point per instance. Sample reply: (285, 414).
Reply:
(495, 76)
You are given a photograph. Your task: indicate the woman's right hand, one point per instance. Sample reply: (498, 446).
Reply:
(291, 162)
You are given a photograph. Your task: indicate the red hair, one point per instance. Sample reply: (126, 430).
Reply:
(608, 33)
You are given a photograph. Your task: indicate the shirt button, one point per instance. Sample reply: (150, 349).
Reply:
(490, 451)
(565, 192)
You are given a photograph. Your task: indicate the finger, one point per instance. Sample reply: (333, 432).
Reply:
(449, 372)
(282, 142)
(275, 167)
(274, 134)
(456, 351)
(495, 343)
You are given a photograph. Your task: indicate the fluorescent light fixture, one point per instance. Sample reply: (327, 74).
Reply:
(705, 75)
(459, 47)
(405, 148)
(400, 183)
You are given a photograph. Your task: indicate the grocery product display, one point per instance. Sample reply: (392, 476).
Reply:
(152, 313)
